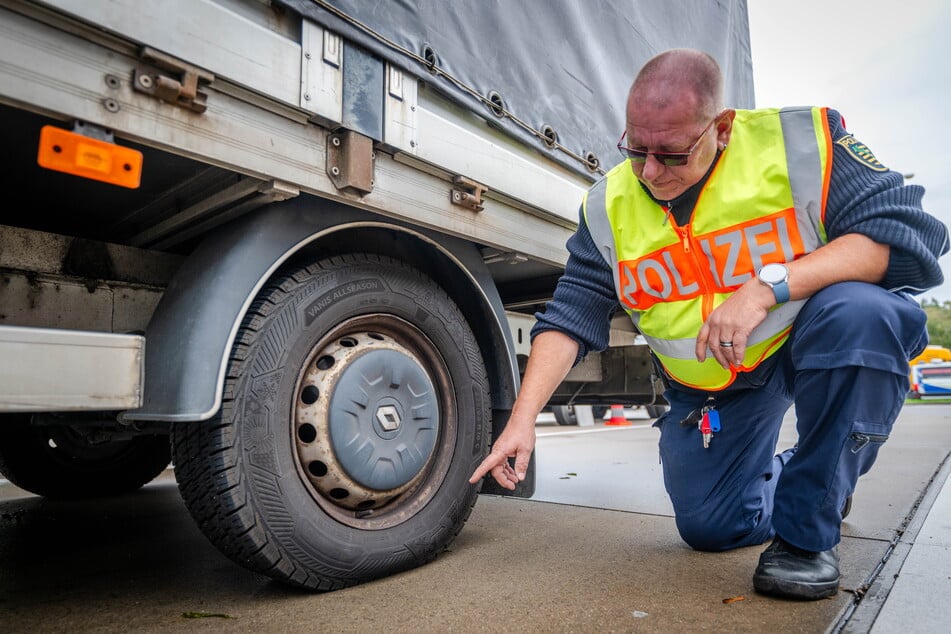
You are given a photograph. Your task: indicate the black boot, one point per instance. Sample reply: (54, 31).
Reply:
(787, 571)
(847, 507)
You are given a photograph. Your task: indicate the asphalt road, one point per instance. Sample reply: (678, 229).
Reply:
(595, 550)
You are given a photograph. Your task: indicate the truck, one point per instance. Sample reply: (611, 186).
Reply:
(930, 380)
(294, 249)
(929, 373)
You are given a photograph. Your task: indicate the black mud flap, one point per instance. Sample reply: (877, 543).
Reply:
(525, 488)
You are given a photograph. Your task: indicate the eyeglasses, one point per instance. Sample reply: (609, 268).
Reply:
(670, 159)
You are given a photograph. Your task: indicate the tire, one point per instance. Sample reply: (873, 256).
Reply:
(655, 411)
(564, 414)
(59, 461)
(312, 473)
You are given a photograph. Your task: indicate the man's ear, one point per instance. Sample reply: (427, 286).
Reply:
(725, 127)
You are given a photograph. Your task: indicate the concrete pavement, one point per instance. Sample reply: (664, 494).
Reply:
(595, 550)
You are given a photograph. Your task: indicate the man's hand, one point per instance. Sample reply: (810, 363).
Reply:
(733, 321)
(552, 355)
(517, 441)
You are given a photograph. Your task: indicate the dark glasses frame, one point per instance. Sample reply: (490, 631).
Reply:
(669, 159)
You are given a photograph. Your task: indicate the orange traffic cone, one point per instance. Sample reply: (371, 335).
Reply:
(617, 416)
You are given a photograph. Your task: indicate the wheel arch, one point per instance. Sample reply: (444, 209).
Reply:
(190, 335)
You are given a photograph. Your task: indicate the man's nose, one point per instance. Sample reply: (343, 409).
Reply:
(652, 167)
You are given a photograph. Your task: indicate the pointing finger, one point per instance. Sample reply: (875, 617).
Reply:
(491, 461)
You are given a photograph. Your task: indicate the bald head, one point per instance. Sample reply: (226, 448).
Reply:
(675, 107)
(676, 76)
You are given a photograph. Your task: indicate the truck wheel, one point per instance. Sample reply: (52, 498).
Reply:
(355, 409)
(61, 462)
(656, 411)
(564, 414)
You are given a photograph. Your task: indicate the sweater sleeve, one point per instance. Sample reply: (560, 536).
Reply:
(869, 199)
(584, 298)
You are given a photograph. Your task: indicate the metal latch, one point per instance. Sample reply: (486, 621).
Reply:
(468, 193)
(172, 80)
(350, 158)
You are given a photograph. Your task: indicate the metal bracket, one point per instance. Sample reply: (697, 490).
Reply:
(495, 256)
(171, 80)
(350, 159)
(93, 131)
(468, 193)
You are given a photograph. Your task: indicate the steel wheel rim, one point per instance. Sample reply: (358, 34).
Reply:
(321, 437)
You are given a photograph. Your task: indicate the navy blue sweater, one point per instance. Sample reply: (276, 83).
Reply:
(861, 200)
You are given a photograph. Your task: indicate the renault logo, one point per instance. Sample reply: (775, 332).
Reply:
(388, 418)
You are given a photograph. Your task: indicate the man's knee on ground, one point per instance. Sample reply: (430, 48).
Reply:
(714, 532)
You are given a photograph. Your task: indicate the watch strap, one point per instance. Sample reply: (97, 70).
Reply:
(781, 292)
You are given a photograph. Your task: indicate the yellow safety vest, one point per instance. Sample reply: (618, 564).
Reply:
(764, 202)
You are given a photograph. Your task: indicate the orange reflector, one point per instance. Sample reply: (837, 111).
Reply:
(66, 151)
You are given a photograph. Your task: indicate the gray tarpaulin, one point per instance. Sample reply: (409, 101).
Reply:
(563, 63)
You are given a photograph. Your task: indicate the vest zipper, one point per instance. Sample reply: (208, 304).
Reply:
(706, 303)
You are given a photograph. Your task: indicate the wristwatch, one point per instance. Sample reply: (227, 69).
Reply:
(776, 276)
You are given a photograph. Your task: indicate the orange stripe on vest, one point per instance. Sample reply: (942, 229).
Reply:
(719, 261)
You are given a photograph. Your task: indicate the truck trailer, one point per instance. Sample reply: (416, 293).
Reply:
(294, 248)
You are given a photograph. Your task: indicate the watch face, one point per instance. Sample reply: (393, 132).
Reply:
(773, 273)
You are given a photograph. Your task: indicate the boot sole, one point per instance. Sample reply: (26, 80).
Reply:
(794, 589)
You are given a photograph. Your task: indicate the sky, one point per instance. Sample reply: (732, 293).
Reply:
(884, 64)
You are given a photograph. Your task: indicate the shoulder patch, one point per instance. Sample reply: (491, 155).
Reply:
(860, 152)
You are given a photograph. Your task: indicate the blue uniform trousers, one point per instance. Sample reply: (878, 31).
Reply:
(845, 368)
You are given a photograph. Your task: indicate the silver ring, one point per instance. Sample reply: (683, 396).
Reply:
(726, 344)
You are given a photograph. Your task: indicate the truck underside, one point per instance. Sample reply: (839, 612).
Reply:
(316, 298)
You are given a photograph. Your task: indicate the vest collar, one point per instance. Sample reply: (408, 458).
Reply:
(681, 207)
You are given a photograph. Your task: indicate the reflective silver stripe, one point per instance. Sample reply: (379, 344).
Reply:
(776, 321)
(596, 217)
(805, 172)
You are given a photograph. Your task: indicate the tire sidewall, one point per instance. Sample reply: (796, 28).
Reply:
(264, 418)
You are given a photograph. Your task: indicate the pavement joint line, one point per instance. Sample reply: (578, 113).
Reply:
(581, 506)
(861, 612)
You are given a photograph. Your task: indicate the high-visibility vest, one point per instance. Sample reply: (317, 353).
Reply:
(763, 202)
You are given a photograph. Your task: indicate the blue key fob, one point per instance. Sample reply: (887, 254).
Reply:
(714, 418)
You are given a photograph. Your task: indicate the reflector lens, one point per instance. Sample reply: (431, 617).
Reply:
(65, 151)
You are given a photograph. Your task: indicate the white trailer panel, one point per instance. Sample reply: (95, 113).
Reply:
(44, 370)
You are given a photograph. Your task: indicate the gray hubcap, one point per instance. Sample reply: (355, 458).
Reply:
(366, 420)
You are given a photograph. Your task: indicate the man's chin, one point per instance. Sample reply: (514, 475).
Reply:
(665, 192)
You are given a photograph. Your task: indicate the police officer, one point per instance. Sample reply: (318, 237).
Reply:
(767, 257)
